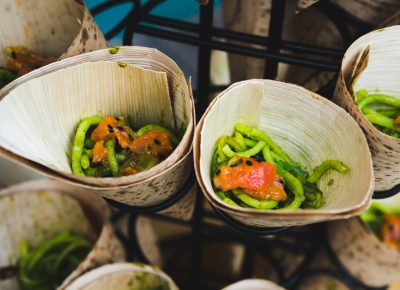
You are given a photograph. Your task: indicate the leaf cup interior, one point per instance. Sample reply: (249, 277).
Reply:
(124, 276)
(253, 284)
(47, 28)
(44, 110)
(372, 63)
(38, 210)
(309, 128)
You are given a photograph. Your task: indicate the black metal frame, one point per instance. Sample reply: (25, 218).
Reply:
(207, 37)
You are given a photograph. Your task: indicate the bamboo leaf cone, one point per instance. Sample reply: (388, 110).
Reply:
(36, 210)
(253, 284)
(57, 28)
(135, 81)
(121, 276)
(309, 128)
(371, 63)
(365, 256)
(313, 27)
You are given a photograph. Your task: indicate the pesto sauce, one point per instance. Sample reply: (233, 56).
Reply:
(113, 50)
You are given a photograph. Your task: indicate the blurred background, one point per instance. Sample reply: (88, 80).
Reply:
(183, 54)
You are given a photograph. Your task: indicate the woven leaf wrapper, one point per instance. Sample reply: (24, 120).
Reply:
(363, 254)
(138, 82)
(37, 210)
(123, 276)
(58, 29)
(253, 284)
(372, 63)
(309, 128)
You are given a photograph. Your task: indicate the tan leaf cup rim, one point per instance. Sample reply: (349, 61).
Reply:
(113, 269)
(370, 63)
(87, 37)
(152, 60)
(91, 205)
(320, 214)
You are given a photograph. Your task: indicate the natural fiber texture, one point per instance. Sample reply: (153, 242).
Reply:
(35, 211)
(313, 27)
(253, 284)
(156, 80)
(48, 28)
(128, 91)
(363, 254)
(376, 71)
(89, 38)
(309, 128)
(185, 207)
(120, 276)
(58, 28)
(153, 190)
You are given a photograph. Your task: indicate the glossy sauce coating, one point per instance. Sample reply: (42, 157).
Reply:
(258, 179)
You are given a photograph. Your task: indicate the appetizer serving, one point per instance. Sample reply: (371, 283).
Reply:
(6, 76)
(368, 88)
(250, 170)
(51, 233)
(265, 149)
(136, 82)
(46, 266)
(124, 276)
(31, 31)
(106, 147)
(20, 61)
(381, 110)
(384, 220)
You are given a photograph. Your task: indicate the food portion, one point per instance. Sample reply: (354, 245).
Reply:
(51, 262)
(108, 147)
(383, 111)
(134, 280)
(6, 77)
(248, 169)
(147, 281)
(384, 221)
(21, 61)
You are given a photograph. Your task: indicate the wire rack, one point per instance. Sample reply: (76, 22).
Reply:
(185, 255)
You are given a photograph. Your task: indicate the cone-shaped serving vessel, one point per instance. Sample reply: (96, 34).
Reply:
(309, 128)
(124, 276)
(253, 284)
(37, 210)
(371, 63)
(56, 28)
(141, 83)
(366, 256)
